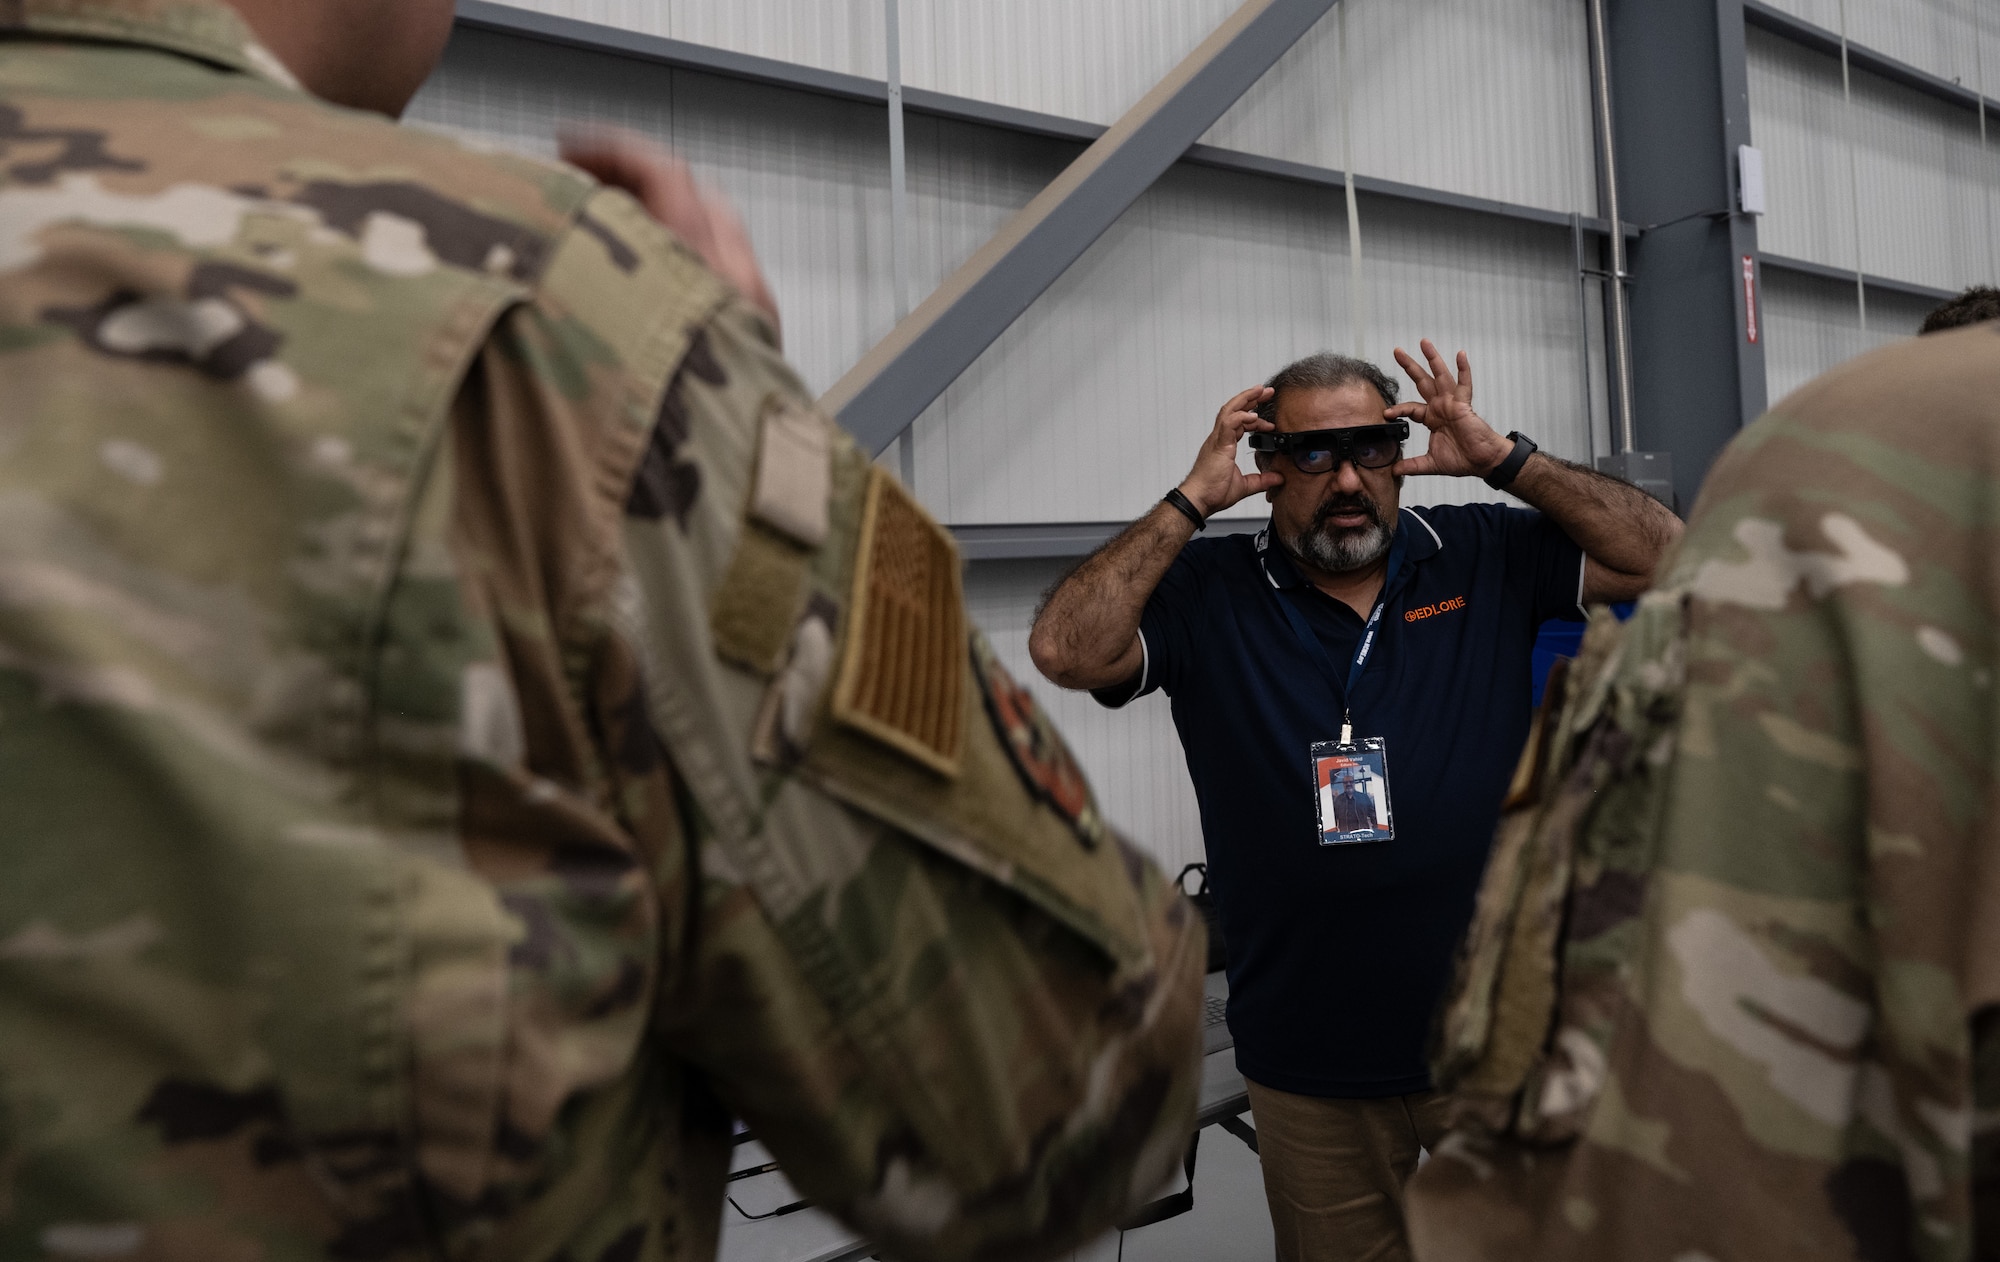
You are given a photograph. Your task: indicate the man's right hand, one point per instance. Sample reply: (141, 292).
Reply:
(703, 219)
(1215, 482)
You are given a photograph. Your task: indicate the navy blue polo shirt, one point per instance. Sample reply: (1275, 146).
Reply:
(1338, 954)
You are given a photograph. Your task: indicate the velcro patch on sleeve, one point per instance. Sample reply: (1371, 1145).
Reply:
(758, 600)
(794, 472)
(902, 674)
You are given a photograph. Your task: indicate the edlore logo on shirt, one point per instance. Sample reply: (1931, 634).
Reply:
(1431, 611)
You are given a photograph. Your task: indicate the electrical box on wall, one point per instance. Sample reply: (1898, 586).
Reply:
(1750, 179)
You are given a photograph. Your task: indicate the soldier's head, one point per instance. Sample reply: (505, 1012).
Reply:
(368, 54)
(1975, 306)
(1336, 512)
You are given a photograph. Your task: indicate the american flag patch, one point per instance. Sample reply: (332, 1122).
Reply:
(903, 672)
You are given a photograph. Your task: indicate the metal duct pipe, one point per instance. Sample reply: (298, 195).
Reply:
(1607, 153)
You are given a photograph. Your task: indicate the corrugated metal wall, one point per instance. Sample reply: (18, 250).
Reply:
(1899, 185)
(1096, 399)
(1952, 39)
(1523, 61)
(1513, 125)
(1813, 324)
(1924, 185)
(844, 35)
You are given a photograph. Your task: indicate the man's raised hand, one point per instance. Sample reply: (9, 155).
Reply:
(1215, 482)
(1462, 444)
(703, 219)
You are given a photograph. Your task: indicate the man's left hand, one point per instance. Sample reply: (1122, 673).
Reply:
(1462, 444)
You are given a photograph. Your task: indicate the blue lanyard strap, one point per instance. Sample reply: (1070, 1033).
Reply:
(1362, 648)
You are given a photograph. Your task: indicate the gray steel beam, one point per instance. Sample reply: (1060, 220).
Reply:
(897, 379)
(1845, 275)
(1329, 177)
(1680, 93)
(1861, 57)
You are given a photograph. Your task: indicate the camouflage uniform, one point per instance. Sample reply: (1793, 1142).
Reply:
(468, 726)
(1730, 987)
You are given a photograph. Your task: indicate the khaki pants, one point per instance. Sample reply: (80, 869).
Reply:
(1334, 1171)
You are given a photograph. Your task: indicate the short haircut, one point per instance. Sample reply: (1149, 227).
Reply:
(1324, 371)
(1975, 306)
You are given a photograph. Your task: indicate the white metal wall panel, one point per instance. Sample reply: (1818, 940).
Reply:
(1506, 294)
(844, 35)
(1512, 121)
(1925, 186)
(1812, 324)
(1081, 60)
(1089, 60)
(1096, 400)
(1485, 97)
(1821, 13)
(1941, 36)
(1795, 118)
(1515, 124)
(1132, 756)
(653, 17)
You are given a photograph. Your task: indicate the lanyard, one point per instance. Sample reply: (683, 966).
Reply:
(1362, 648)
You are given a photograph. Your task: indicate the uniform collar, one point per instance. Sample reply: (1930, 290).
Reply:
(1413, 535)
(207, 30)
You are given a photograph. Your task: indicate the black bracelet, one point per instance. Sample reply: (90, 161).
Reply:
(1186, 507)
(1504, 472)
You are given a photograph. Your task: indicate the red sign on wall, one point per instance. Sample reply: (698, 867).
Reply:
(1750, 297)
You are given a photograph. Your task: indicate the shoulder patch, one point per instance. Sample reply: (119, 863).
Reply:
(794, 472)
(902, 678)
(1034, 746)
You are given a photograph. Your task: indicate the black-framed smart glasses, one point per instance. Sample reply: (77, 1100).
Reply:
(1324, 450)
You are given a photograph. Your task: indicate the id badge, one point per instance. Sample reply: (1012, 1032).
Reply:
(1352, 779)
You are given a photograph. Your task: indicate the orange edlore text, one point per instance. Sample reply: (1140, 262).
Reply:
(1432, 611)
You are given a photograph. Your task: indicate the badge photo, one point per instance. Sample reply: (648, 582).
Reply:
(1352, 789)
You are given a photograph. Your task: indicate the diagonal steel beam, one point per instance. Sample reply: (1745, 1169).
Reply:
(928, 349)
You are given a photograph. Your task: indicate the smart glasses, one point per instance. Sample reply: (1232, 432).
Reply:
(1324, 450)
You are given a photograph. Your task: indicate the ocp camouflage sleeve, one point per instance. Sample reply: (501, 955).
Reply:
(957, 1006)
(467, 726)
(1730, 987)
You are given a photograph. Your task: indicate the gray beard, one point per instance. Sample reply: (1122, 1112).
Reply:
(1340, 550)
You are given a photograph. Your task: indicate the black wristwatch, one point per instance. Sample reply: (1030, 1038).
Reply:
(1503, 474)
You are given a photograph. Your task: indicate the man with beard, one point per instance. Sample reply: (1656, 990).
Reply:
(1349, 621)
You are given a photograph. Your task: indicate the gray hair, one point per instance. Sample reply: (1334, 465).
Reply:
(1325, 371)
